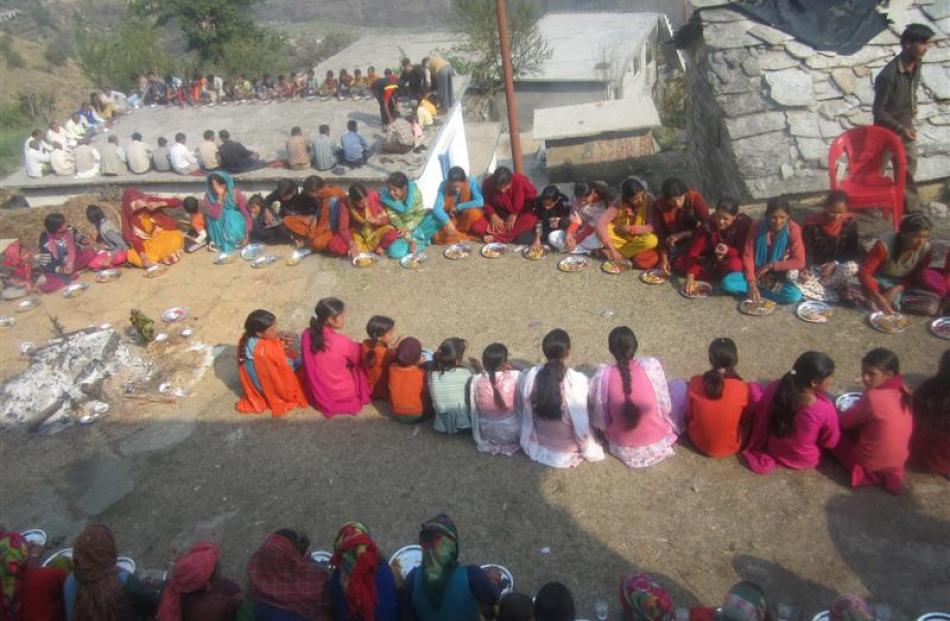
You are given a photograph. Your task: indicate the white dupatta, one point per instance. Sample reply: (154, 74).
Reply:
(574, 391)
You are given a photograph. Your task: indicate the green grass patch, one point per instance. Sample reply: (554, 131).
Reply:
(11, 149)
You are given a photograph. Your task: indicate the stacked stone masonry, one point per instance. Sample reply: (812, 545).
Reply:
(763, 108)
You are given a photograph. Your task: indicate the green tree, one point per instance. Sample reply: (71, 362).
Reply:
(208, 25)
(113, 57)
(266, 52)
(476, 21)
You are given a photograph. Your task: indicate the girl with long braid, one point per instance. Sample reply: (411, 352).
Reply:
(496, 419)
(795, 419)
(555, 430)
(630, 402)
(333, 375)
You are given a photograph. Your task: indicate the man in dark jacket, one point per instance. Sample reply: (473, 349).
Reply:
(895, 100)
(234, 156)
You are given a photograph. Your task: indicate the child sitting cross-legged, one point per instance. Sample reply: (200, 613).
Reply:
(378, 353)
(266, 224)
(876, 431)
(449, 380)
(266, 366)
(197, 236)
(406, 381)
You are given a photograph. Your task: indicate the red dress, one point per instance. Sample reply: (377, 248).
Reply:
(517, 200)
(669, 220)
(701, 260)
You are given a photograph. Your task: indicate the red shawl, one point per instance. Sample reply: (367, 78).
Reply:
(279, 575)
(357, 558)
(191, 573)
(519, 197)
(16, 258)
(131, 221)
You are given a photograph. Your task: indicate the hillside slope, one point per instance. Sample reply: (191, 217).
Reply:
(67, 83)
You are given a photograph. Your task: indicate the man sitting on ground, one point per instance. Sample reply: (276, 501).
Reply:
(183, 160)
(322, 149)
(139, 155)
(56, 133)
(87, 159)
(298, 150)
(36, 159)
(208, 152)
(74, 129)
(354, 150)
(161, 157)
(235, 158)
(399, 137)
(113, 158)
(61, 161)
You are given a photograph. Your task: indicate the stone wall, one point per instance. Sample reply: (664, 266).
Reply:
(605, 156)
(763, 108)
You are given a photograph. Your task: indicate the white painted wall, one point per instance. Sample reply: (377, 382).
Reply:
(451, 140)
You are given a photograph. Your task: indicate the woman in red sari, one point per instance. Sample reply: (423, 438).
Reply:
(716, 249)
(509, 200)
(152, 234)
(680, 214)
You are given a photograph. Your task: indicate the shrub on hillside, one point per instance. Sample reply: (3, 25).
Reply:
(12, 57)
(265, 53)
(112, 58)
(58, 51)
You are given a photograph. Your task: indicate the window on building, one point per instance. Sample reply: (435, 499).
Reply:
(636, 64)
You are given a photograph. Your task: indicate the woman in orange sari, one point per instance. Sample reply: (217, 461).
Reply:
(266, 368)
(458, 205)
(311, 221)
(152, 234)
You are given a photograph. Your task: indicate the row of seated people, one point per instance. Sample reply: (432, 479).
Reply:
(221, 152)
(93, 116)
(775, 258)
(66, 149)
(560, 418)
(285, 584)
(414, 81)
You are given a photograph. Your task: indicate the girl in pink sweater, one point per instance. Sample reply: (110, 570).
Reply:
(794, 420)
(875, 444)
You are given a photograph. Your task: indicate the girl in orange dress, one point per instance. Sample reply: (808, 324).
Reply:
(377, 353)
(266, 365)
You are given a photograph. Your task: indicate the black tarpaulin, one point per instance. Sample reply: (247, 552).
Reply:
(842, 26)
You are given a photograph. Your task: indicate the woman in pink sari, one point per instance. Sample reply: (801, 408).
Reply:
(630, 402)
(794, 420)
(333, 379)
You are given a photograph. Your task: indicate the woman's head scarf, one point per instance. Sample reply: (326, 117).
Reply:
(850, 608)
(440, 553)
(645, 600)
(216, 207)
(192, 572)
(100, 596)
(408, 352)
(745, 602)
(14, 554)
(356, 557)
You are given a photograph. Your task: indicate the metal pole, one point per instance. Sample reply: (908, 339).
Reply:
(509, 87)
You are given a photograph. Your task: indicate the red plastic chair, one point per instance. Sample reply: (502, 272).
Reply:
(868, 150)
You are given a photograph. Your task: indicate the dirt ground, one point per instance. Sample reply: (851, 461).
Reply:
(165, 475)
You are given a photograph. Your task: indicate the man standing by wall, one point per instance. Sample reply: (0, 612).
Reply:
(895, 100)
